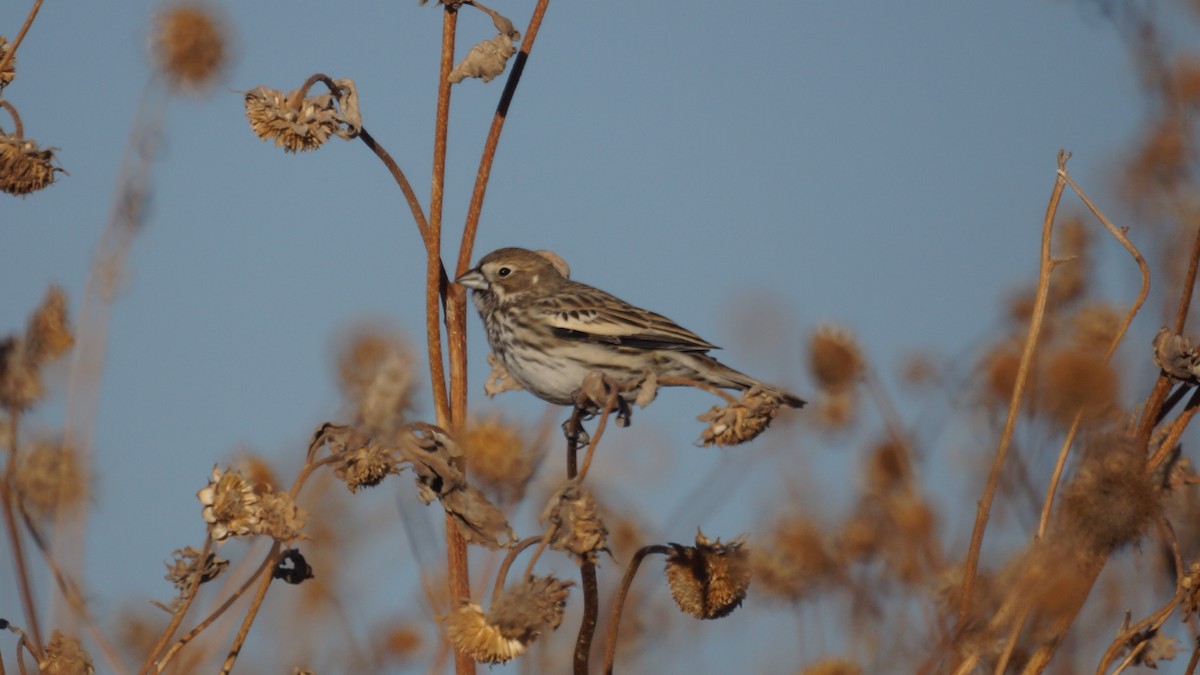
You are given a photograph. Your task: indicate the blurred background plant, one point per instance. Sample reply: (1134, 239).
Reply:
(857, 548)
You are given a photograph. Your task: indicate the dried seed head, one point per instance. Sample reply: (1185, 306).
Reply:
(20, 378)
(1000, 365)
(1176, 356)
(837, 410)
(280, 518)
(1094, 326)
(375, 374)
(1112, 498)
(186, 562)
(49, 332)
(231, 507)
(469, 631)
(309, 124)
(920, 370)
(1078, 382)
(576, 521)
(50, 478)
(740, 421)
(889, 467)
(1162, 160)
(487, 59)
(25, 168)
(401, 641)
(499, 458)
(795, 562)
(525, 611)
(189, 46)
(65, 655)
(10, 70)
(835, 358)
(708, 580)
(366, 465)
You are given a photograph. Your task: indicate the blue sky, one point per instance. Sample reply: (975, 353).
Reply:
(881, 165)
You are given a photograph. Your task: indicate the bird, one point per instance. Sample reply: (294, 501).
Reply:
(549, 332)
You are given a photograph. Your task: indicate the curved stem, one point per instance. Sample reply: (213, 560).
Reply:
(502, 573)
(19, 131)
(1035, 326)
(614, 623)
(609, 405)
(11, 52)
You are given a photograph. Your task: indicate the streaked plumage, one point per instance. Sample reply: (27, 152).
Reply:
(550, 331)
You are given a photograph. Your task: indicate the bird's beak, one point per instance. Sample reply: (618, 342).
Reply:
(473, 279)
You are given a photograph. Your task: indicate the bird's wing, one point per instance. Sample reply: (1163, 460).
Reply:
(591, 315)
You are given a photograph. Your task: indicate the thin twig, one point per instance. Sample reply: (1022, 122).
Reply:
(1035, 326)
(614, 623)
(1119, 235)
(609, 405)
(180, 612)
(8, 495)
(266, 575)
(509, 558)
(587, 569)
(11, 52)
(12, 111)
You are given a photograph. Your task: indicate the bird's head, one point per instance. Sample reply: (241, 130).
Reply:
(511, 272)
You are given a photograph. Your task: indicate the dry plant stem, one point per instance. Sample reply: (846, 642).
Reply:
(502, 573)
(12, 49)
(587, 570)
(614, 623)
(8, 497)
(1002, 663)
(265, 578)
(1193, 662)
(266, 564)
(609, 405)
(1151, 414)
(20, 130)
(178, 617)
(71, 593)
(436, 287)
(1048, 503)
(393, 168)
(1035, 326)
(1149, 624)
(1177, 428)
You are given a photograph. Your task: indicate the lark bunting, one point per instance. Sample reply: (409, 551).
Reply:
(549, 332)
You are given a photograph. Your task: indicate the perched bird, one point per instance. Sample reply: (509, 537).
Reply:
(549, 331)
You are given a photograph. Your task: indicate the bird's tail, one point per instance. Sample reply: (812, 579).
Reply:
(720, 375)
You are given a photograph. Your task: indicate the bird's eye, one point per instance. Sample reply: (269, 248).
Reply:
(503, 272)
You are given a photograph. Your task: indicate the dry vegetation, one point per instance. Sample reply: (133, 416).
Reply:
(1107, 494)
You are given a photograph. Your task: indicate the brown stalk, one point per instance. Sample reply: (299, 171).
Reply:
(266, 575)
(20, 129)
(1039, 310)
(509, 558)
(587, 570)
(614, 623)
(436, 286)
(8, 495)
(1162, 386)
(1112, 347)
(212, 617)
(177, 617)
(12, 49)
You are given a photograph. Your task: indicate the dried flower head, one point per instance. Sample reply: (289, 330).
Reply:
(189, 46)
(280, 517)
(24, 167)
(487, 59)
(835, 358)
(526, 610)
(1076, 381)
(708, 580)
(375, 374)
(1186, 79)
(297, 124)
(186, 562)
(468, 630)
(366, 465)
(499, 458)
(10, 68)
(1112, 498)
(740, 421)
(576, 523)
(836, 410)
(795, 562)
(1162, 160)
(889, 467)
(49, 331)
(1094, 326)
(20, 378)
(1176, 356)
(231, 507)
(65, 655)
(401, 641)
(50, 477)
